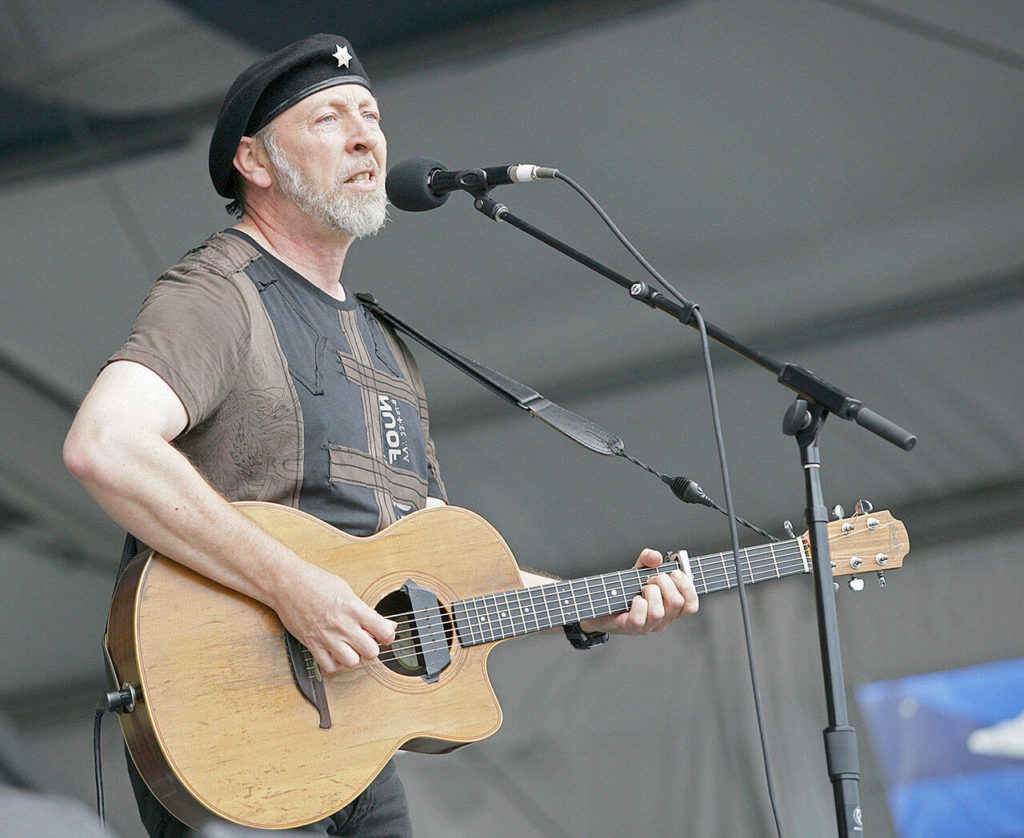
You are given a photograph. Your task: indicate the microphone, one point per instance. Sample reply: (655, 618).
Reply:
(423, 183)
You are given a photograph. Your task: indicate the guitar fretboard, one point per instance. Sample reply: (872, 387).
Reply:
(493, 617)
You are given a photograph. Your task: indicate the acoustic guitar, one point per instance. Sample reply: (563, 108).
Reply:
(233, 719)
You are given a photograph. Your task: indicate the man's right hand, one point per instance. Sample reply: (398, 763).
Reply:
(338, 628)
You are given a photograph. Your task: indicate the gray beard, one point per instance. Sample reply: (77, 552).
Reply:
(357, 214)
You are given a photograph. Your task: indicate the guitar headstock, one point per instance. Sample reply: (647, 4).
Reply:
(874, 541)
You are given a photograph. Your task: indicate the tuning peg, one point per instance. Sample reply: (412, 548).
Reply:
(788, 527)
(856, 584)
(881, 579)
(863, 507)
(837, 512)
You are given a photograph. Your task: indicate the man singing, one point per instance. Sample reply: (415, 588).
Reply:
(251, 374)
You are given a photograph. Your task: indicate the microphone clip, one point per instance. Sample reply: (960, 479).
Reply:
(473, 181)
(489, 207)
(644, 293)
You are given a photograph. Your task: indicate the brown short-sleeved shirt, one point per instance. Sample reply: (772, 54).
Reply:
(292, 396)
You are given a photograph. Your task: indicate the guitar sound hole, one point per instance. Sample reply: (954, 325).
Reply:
(405, 655)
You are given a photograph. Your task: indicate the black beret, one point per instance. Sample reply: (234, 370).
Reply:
(272, 85)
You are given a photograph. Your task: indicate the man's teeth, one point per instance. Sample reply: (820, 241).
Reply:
(362, 177)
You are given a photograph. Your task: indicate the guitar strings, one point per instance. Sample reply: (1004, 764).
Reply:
(719, 567)
(709, 580)
(489, 633)
(478, 605)
(496, 620)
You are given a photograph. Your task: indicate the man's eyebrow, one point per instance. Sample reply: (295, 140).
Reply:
(362, 102)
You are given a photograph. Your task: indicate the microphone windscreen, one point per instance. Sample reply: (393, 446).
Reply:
(408, 185)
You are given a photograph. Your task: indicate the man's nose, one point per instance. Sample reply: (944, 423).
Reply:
(362, 137)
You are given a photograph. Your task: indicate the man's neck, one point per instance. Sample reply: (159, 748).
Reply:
(317, 255)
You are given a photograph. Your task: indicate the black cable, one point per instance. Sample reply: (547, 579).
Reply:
(626, 243)
(727, 487)
(114, 701)
(741, 586)
(97, 763)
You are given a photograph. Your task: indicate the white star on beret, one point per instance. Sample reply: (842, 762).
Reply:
(343, 56)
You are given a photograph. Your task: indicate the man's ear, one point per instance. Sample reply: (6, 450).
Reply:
(251, 162)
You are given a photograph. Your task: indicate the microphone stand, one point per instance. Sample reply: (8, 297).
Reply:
(816, 399)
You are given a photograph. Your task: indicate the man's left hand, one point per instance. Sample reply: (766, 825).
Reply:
(664, 599)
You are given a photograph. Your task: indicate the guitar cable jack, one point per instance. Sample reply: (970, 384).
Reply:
(123, 700)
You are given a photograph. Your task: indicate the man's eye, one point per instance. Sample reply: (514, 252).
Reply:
(372, 116)
(327, 117)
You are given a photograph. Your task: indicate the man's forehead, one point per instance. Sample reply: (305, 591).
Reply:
(341, 97)
(345, 94)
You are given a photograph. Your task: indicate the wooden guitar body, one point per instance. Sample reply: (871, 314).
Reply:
(222, 728)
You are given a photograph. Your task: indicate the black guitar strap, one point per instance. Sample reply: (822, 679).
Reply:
(578, 429)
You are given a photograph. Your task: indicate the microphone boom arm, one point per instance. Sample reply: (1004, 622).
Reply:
(803, 382)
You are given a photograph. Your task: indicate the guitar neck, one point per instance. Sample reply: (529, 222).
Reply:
(493, 617)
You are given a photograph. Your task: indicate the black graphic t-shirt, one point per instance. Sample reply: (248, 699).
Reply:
(364, 444)
(292, 396)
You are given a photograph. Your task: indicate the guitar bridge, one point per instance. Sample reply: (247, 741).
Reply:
(308, 677)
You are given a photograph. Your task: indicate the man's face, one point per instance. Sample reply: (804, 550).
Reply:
(328, 155)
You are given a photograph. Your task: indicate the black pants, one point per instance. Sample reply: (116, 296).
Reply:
(379, 812)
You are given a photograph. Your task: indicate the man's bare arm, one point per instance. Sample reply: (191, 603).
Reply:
(119, 449)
